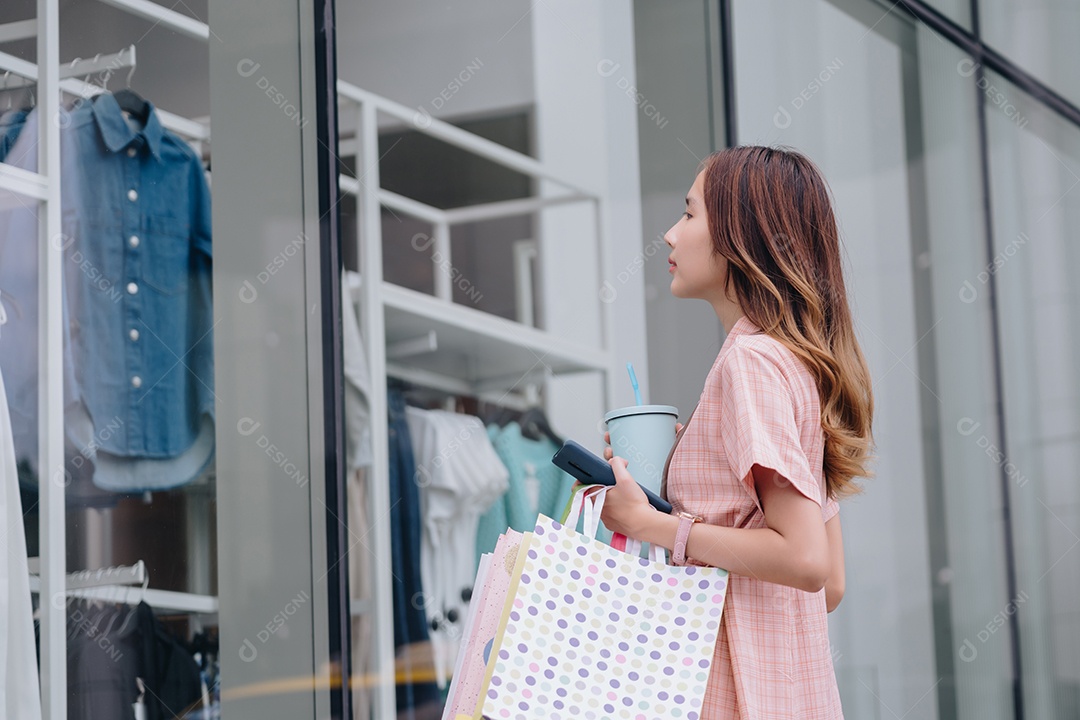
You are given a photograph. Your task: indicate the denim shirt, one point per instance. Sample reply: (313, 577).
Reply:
(11, 124)
(136, 224)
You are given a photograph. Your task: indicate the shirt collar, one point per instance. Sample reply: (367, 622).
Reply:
(117, 133)
(743, 326)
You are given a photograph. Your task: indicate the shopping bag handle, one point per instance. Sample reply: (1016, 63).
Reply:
(656, 552)
(580, 506)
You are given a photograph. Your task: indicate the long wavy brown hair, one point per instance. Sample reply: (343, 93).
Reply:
(771, 218)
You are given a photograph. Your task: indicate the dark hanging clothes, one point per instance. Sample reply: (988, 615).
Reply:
(410, 619)
(102, 662)
(169, 672)
(109, 646)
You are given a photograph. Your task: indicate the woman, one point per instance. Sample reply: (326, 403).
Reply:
(782, 429)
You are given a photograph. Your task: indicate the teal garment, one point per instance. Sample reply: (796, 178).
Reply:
(516, 509)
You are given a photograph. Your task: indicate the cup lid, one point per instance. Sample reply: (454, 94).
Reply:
(641, 410)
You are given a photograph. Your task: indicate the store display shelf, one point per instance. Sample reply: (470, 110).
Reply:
(484, 350)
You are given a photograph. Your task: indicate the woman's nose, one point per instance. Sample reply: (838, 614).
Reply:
(669, 236)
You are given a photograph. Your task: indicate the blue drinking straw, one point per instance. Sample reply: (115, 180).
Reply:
(633, 382)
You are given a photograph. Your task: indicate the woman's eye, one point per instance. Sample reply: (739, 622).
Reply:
(687, 215)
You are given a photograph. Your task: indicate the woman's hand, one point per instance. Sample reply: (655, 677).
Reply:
(626, 509)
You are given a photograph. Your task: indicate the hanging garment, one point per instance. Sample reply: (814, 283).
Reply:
(536, 486)
(140, 215)
(102, 661)
(360, 591)
(168, 671)
(357, 383)
(410, 622)
(358, 458)
(11, 124)
(19, 252)
(460, 476)
(136, 291)
(19, 694)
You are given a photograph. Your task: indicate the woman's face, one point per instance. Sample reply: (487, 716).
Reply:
(697, 272)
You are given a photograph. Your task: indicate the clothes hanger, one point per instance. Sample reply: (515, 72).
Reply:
(131, 101)
(133, 608)
(534, 425)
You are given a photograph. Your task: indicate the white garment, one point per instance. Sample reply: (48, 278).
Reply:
(460, 476)
(358, 456)
(20, 246)
(357, 383)
(360, 589)
(19, 694)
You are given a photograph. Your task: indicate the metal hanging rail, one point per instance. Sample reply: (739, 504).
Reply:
(80, 68)
(103, 584)
(189, 129)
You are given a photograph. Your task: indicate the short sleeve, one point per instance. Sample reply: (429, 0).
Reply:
(831, 509)
(757, 422)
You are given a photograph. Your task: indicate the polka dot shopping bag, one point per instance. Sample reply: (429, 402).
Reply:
(594, 632)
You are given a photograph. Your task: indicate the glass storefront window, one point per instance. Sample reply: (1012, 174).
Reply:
(119, 308)
(1035, 168)
(959, 11)
(479, 220)
(125, 477)
(911, 188)
(1039, 36)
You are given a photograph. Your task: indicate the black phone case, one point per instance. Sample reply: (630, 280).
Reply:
(591, 469)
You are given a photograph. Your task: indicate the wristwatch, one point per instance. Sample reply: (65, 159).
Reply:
(686, 520)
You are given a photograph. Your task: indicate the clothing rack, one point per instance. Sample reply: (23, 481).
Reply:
(80, 68)
(191, 130)
(103, 584)
(116, 575)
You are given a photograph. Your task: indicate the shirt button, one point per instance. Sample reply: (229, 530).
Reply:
(132, 152)
(136, 382)
(132, 195)
(132, 288)
(133, 241)
(133, 334)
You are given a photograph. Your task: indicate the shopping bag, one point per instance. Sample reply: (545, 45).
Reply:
(591, 631)
(485, 614)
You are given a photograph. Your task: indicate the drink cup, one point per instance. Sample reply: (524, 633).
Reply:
(643, 435)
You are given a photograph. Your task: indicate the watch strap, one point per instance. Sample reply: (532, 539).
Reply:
(682, 535)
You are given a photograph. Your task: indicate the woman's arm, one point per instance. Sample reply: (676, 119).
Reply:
(793, 550)
(834, 586)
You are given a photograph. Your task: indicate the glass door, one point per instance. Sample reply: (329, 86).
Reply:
(162, 344)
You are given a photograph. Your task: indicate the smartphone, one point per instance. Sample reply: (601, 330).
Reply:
(591, 469)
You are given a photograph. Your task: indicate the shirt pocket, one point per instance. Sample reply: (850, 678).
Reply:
(93, 258)
(166, 261)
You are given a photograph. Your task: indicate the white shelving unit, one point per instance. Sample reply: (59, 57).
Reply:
(451, 347)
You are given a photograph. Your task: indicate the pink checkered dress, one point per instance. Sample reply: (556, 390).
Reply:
(760, 405)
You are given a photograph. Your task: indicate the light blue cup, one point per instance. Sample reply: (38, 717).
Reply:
(643, 435)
